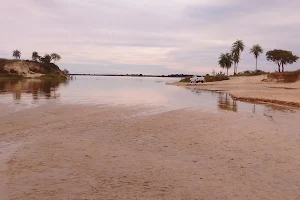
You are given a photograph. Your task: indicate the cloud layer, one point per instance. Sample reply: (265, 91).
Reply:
(142, 36)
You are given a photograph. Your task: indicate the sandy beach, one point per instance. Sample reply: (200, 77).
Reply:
(253, 89)
(89, 152)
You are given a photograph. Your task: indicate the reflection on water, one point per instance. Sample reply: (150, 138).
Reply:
(122, 91)
(225, 102)
(45, 89)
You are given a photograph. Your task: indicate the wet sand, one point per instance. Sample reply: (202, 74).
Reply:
(253, 89)
(88, 152)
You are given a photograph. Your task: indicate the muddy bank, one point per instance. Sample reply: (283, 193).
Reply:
(79, 152)
(254, 89)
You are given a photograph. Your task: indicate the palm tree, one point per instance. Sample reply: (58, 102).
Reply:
(225, 61)
(236, 59)
(222, 61)
(236, 51)
(17, 54)
(256, 50)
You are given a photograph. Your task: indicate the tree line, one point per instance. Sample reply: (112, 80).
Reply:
(278, 56)
(47, 58)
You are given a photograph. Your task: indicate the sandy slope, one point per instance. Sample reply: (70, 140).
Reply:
(24, 68)
(253, 88)
(68, 152)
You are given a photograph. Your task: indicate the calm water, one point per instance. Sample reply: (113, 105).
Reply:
(127, 91)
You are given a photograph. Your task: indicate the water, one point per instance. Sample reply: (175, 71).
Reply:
(124, 91)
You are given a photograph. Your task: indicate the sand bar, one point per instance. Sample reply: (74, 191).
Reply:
(253, 89)
(88, 152)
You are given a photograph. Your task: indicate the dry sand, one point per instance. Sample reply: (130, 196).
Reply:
(24, 68)
(73, 152)
(254, 89)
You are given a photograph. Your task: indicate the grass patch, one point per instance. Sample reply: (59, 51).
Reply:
(286, 77)
(251, 73)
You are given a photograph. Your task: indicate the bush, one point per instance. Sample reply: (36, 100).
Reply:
(216, 78)
(286, 77)
(66, 72)
(251, 73)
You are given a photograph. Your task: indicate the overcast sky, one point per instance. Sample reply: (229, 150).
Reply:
(148, 36)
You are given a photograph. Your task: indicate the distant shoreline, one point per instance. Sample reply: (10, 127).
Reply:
(135, 75)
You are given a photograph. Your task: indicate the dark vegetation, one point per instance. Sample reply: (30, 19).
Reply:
(278, 56)
(236, 51)
(216, 78)
(226, 60)
(208, 78)
(251, 73)
(256, 50)
(281, 58)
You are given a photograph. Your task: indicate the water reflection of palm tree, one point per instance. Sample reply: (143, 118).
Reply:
(254, 108)
(227, 103)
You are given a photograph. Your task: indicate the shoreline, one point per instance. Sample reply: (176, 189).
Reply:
(253, 89)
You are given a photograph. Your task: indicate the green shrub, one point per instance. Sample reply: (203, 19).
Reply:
(251, 73)
(216, 78)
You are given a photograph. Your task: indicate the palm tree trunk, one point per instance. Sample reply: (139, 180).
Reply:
(256, 64)
(236, 68)
(227, 71)
(235, 71)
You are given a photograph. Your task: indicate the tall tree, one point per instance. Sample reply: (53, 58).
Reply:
(16, 54)
(35, 56)
(55, 57)
(236, 51)
(256, 50)
(281, 58)
(46, 59)
(225, 61)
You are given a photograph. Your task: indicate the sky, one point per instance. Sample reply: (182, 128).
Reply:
(148, 36)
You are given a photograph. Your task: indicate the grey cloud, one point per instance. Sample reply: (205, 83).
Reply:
(188, 34)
